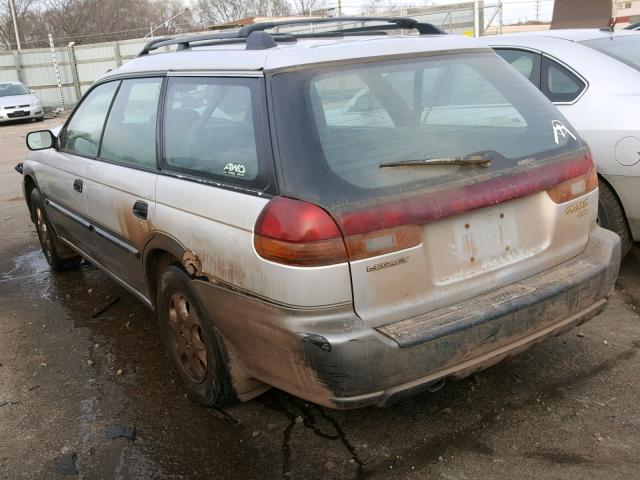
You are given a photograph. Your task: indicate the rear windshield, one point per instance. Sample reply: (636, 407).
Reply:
(10, 89)
(336, 126)
(626, 48)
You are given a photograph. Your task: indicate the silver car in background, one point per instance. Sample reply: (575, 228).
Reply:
(593, 77)
(17, 102)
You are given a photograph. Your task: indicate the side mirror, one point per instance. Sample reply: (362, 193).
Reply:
(40, 140)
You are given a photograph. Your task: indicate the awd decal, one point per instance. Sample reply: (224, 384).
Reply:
(235, 169)
(387, 264)
(559, 130)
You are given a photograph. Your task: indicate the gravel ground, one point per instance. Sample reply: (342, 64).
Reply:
(81, 362)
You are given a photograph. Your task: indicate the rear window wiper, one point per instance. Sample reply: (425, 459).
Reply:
(473, 160)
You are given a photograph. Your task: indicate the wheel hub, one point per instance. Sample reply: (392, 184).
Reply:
(43, 232)
(186, 335)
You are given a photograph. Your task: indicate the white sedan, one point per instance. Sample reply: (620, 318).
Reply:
(593, 76)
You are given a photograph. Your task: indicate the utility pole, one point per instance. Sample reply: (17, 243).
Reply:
(537, 10)
(15, 23)
(477, 30)
(339, 8)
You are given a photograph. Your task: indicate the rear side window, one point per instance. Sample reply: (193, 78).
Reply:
(560, 84)
(527, 63)
(339, 127)
(82, 134)
(214, 128)
(130, 133)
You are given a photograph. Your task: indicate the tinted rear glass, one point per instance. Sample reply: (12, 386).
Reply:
(336, 126)
(626, 48)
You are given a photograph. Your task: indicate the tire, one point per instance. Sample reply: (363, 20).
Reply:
(48, 238)
(39, 119)
(192, 342)
(611, 216)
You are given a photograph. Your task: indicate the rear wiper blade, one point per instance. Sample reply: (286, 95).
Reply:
(473, 160)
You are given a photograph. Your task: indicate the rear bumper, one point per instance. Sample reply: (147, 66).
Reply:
(330, 357)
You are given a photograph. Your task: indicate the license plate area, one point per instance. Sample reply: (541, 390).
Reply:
(18, 113)
(489, 237)
(484, 240)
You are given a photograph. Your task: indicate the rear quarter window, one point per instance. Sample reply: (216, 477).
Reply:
(214, 128)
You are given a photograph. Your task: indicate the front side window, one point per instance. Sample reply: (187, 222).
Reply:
(558, 83)
(82, 133)
(212, 128)
(130, 133)
(527, 63)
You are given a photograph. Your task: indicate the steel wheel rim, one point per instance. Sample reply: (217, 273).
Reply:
(187, 342)
(43, 232)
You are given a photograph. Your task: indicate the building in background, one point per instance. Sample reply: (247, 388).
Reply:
(581, 14)
(627, 12)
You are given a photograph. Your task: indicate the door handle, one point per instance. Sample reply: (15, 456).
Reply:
(141, 209)
(77, 185)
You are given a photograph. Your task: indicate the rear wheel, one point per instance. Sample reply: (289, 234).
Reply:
(611, 216)
(48, 238)
(191, 340)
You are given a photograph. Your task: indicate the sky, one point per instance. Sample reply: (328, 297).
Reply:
(514, 11)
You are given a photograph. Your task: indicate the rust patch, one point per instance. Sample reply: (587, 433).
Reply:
(191, 262)
(134, 229)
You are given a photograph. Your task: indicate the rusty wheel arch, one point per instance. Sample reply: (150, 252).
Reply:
(162, 251)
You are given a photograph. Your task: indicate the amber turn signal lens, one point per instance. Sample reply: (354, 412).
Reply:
(574, 187)
(307, 254)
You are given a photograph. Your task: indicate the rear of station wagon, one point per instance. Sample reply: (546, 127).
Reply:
(348, 219)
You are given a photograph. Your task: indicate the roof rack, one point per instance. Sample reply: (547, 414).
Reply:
(256, 38)
(398, 22)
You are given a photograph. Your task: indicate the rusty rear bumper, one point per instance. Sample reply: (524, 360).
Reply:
(331, 357)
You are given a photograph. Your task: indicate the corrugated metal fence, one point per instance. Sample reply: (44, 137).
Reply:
(79, 66)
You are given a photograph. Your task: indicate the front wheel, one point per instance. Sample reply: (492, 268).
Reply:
(611, 216)
(47, 236)
(191, 340)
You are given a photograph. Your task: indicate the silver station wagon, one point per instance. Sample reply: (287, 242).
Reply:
(347, 215)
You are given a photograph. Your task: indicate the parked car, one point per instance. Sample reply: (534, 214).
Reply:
(347, 257)
(593, 77)
(17, 102)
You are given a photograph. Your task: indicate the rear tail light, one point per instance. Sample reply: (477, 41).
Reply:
(299, 233)
(564, 175)
(575, 187)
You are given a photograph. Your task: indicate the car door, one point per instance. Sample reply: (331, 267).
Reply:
(65, 169)
(122, 181)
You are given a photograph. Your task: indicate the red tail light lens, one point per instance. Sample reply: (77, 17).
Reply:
(459, 198)
(294, 232)
(298, 233)
(574, 188)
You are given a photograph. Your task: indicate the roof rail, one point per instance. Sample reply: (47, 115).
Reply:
(399, 22)
(256, 38)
